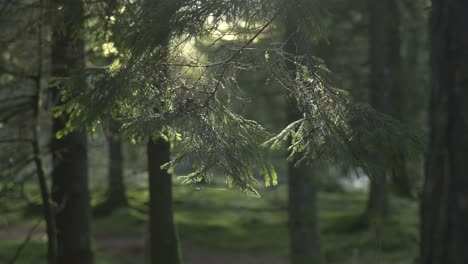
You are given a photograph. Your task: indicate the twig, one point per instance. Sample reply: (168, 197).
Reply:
(238, 51)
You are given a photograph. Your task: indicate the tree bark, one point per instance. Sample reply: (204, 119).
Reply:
(164, 246)
(304, 226)
(398, 108)
(377, 204)
(70, 161)
(115, 187)
(304, 231)
(444, 214)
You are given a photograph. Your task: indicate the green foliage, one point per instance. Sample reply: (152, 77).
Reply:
(333, 128)
(148, 96)
(155, 89)
(234, 147)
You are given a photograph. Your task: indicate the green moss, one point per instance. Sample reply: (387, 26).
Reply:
(216, 218)
(231, 220)
(124, 219)
(35, 252)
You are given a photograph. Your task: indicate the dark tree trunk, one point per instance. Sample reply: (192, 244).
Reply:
(397, 98)
(115, 187)
(444, 218)
(115, 196)
(163, 241)
(377, 205)
(70, 193)
(304, 231)
(163, 246)
(401, 183)
(304, 227)
(70, 162)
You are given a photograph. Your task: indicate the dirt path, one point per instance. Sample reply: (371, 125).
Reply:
(130, 246)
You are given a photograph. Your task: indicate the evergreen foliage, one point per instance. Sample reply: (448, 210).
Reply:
(155, 89)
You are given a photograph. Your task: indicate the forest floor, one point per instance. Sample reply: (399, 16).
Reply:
(132, 245)
(218, 226)
(128, 247)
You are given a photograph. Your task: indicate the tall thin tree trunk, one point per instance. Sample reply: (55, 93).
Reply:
(115, 186)
(48, 211)
(377, 205)
(70, 161)
(163, 246)
(397, 98)
(304, 231)
(304, 226)
(444, 217)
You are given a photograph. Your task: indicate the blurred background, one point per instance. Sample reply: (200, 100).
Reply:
(215, 222)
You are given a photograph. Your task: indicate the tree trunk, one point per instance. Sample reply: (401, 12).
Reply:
(70, 162)
(377, 204)
(401, 183)
(116, 187)
(304, 231)
(444, 218)
(163, 246)
(304, 227)
(397, 98)
(51, 228)
(70, 193)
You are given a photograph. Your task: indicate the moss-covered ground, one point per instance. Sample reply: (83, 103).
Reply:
(228, 220)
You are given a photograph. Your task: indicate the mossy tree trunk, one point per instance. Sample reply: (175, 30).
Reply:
(444, 218)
